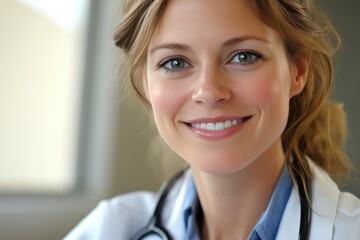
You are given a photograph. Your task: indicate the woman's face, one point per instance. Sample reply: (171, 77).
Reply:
(219, 84)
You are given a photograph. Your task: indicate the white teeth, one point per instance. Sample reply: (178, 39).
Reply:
(228, 123)
(216, 126)
(210, 126)
(219, 126)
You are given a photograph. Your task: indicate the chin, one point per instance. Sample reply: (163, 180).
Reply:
(220, 166)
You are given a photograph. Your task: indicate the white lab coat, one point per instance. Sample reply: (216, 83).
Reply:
(336, 214)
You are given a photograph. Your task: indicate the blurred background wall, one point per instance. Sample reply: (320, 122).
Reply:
(40, 68)
(106, 151)
(346, 19)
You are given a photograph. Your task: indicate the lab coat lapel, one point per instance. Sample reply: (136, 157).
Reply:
(324, 202)
(290, 222)
(172, 216)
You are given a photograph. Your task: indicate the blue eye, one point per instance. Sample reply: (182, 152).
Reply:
(245, 58)
(174, 64)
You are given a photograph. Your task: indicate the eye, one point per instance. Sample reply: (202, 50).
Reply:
(174, 64)
(245, 58)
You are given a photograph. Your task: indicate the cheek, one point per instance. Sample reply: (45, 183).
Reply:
(165, 99)
(264, 89)
(259, 94)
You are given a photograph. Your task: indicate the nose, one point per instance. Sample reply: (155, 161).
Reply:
(211, 88)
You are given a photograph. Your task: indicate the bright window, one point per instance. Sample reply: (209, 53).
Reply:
(41, 72)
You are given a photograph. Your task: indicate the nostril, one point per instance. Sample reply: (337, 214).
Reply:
(211, 97)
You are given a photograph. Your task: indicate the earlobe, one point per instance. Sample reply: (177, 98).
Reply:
(300, 76)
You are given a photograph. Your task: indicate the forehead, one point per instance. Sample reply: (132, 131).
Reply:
(210, 19)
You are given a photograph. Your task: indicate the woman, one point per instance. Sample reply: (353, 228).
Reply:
(238, 89)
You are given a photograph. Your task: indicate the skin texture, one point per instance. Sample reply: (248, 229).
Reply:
(212, 61)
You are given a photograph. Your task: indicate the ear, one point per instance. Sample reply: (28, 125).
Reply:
(299, 76)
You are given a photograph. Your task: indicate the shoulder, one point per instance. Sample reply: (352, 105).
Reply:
(117, 218)
(342, 207)
(122, 216)
(347, 221)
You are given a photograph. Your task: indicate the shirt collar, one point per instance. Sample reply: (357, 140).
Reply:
(190, 208)
(268, 224)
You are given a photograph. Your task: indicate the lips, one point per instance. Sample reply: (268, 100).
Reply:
(217, 128)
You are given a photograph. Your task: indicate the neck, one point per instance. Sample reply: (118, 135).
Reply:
(233, 203)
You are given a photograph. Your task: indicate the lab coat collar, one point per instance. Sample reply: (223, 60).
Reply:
(172, 215)
(325, 197)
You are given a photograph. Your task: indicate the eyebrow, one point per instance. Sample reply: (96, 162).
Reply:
(237, 40)
(175, 46)
(230, 42)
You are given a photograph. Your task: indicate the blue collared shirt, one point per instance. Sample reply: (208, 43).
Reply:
(268, 224)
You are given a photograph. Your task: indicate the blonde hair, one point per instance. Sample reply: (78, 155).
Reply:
(316, 126)
(133, 35)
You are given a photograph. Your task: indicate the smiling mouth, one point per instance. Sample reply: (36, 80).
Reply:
(218, 126)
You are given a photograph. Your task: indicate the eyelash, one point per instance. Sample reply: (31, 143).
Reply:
(255, 57)
(163, 63)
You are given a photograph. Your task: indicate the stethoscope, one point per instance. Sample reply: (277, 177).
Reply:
(155, 227)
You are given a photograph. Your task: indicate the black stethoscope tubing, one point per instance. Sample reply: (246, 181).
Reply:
(155, 227)
(305, 214)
